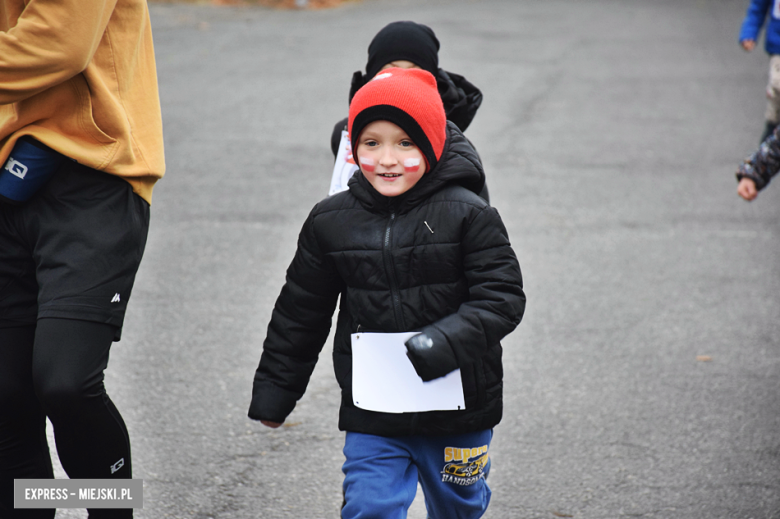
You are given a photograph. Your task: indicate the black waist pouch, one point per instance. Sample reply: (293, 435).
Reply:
(29, 166)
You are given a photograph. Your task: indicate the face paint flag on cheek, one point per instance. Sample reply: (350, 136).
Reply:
(367, 164)
(411, 165)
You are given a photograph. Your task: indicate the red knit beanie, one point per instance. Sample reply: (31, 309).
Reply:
(408, 98)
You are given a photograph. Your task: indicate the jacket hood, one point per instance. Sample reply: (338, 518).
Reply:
(459, 164)
(461, 99)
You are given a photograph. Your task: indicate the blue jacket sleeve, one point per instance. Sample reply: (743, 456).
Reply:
(754, 19)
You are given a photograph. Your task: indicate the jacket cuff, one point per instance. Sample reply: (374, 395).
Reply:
(435, 361)
(270, 402)
(746, 171)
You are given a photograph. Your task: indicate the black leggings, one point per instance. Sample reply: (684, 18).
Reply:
(55, 369)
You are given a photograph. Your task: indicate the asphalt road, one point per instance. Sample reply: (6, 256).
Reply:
(610, 132)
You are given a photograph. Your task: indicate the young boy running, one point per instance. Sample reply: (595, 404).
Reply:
(411, 248)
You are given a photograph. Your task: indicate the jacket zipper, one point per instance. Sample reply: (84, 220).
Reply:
(390, 268)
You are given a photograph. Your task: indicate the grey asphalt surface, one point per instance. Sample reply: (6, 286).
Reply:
(610, 132)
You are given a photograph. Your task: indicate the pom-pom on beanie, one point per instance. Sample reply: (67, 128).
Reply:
(408, 41)
(407, 98)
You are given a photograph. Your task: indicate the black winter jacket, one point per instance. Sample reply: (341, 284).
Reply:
(435, 259)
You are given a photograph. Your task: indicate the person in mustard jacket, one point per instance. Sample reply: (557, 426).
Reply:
(80, 151)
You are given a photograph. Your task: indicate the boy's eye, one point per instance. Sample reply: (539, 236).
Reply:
(407, 144)
(369, 143)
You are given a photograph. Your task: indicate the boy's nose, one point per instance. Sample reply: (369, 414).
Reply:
(388, 158)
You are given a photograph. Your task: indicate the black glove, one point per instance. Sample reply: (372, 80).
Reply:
(419, 343)
(431, 359)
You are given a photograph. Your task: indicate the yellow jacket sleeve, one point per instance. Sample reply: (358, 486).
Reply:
(52, 41)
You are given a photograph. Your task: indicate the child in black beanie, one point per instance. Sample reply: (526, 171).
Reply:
(405, 45)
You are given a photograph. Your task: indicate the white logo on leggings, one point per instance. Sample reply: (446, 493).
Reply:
(115, 299)
(118, 465)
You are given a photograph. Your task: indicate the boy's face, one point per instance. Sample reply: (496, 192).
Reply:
(389, 159)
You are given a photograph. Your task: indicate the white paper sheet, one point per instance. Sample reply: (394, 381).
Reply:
(383, 378)
(343, 169)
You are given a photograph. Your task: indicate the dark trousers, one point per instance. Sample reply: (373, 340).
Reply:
(55, 369)
(68, 259)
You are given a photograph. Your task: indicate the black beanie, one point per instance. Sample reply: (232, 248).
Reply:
(403, 41)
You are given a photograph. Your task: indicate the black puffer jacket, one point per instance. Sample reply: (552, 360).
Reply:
(436, 259)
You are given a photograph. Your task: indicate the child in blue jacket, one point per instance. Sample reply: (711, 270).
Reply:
(754, 19)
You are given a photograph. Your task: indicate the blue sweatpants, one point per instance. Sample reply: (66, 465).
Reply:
(381, 475)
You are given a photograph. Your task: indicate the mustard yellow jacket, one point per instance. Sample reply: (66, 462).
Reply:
(80, 76)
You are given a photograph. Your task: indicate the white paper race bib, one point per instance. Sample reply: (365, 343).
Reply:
(344, 167)
(383, 378)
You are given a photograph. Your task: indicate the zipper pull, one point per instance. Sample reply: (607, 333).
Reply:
(428, 226)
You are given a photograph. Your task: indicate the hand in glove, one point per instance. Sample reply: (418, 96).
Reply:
(431, 357)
